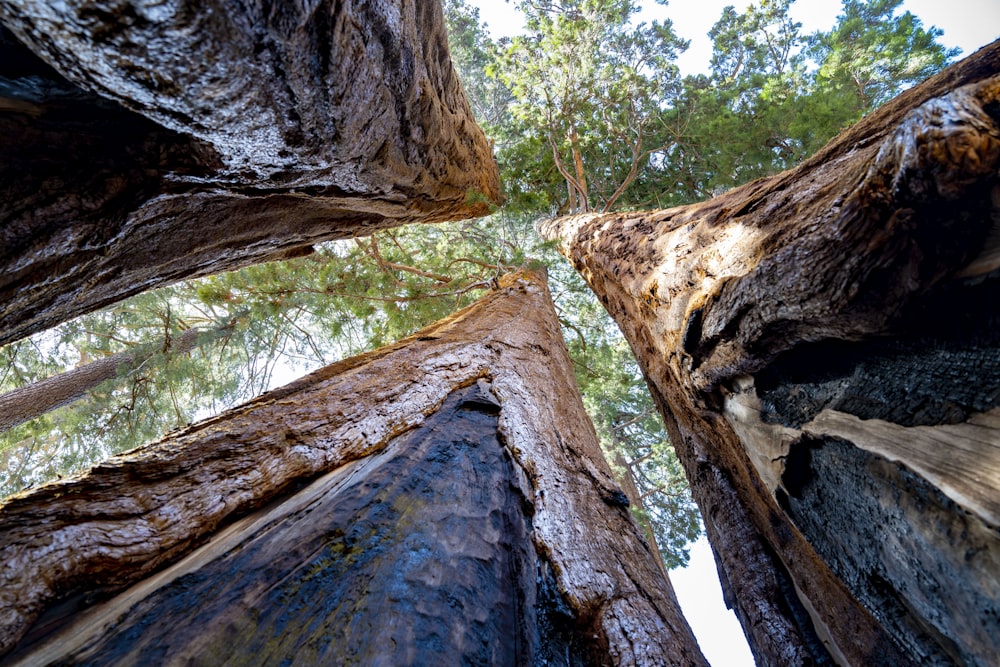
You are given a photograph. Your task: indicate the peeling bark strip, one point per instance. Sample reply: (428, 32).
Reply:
(146, 143)
(863, 283)
(86, 537)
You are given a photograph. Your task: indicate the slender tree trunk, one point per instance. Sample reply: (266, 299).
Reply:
(631, 490)
(581, 175)
(824, 347)
(577, 188)
(34, 400)
(144, 145)
(443, 499)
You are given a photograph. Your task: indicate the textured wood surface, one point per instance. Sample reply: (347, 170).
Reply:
(90, 536)
(150, 142)
(863, 281)
(418, 555)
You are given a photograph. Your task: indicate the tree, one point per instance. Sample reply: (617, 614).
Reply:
(28, 402)
(776, 95)
(871, 55)
(817, 343)
(589, 88)
(135, 137)
(436, 453)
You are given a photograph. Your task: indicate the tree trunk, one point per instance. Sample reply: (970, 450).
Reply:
(443, 499)
(34, 400)
(581, 175)
(824, 346)
(147, 144)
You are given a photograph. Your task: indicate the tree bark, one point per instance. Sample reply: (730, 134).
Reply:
(34, 400)
(455, 503)
(147, 144)
(823, 345)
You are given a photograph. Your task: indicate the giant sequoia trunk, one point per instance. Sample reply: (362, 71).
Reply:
(824, 346)
(438, 501)
(144, 143)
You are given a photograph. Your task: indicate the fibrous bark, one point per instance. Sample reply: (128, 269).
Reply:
(149, 142)
(456, 503)
(824, 347)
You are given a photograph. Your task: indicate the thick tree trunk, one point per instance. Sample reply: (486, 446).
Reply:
(145, 143)
(34, 400)
(444, 496)
(824, 347)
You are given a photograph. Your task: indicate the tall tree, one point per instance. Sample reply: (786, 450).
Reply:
(432, 481)
(823, 347)
(871, 54)
(136, 136)
(589, 87)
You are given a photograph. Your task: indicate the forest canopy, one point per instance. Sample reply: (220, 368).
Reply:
(588, 112)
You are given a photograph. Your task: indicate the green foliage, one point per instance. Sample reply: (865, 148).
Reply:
(869, 57)
(588, 87)
(776, 95)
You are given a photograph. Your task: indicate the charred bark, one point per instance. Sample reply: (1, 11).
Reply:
(823, 346)
(453, 478)
(146, 144)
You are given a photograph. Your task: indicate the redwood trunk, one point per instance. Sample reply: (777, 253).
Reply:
(824, 347)
(36, 399)
(147, 143)
(443, 499)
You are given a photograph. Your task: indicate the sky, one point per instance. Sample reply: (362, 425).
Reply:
(967, 24)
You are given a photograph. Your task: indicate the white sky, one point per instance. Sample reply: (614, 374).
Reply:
(700, 595)
(968, 24)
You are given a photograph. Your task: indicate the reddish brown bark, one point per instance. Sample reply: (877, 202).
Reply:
(366, 434)
(823, 347)
(147, 144)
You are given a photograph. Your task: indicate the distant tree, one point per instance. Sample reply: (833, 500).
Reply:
(589, 87)
(776, 95)
(474, 54)
(870, 55)
(30, 401)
